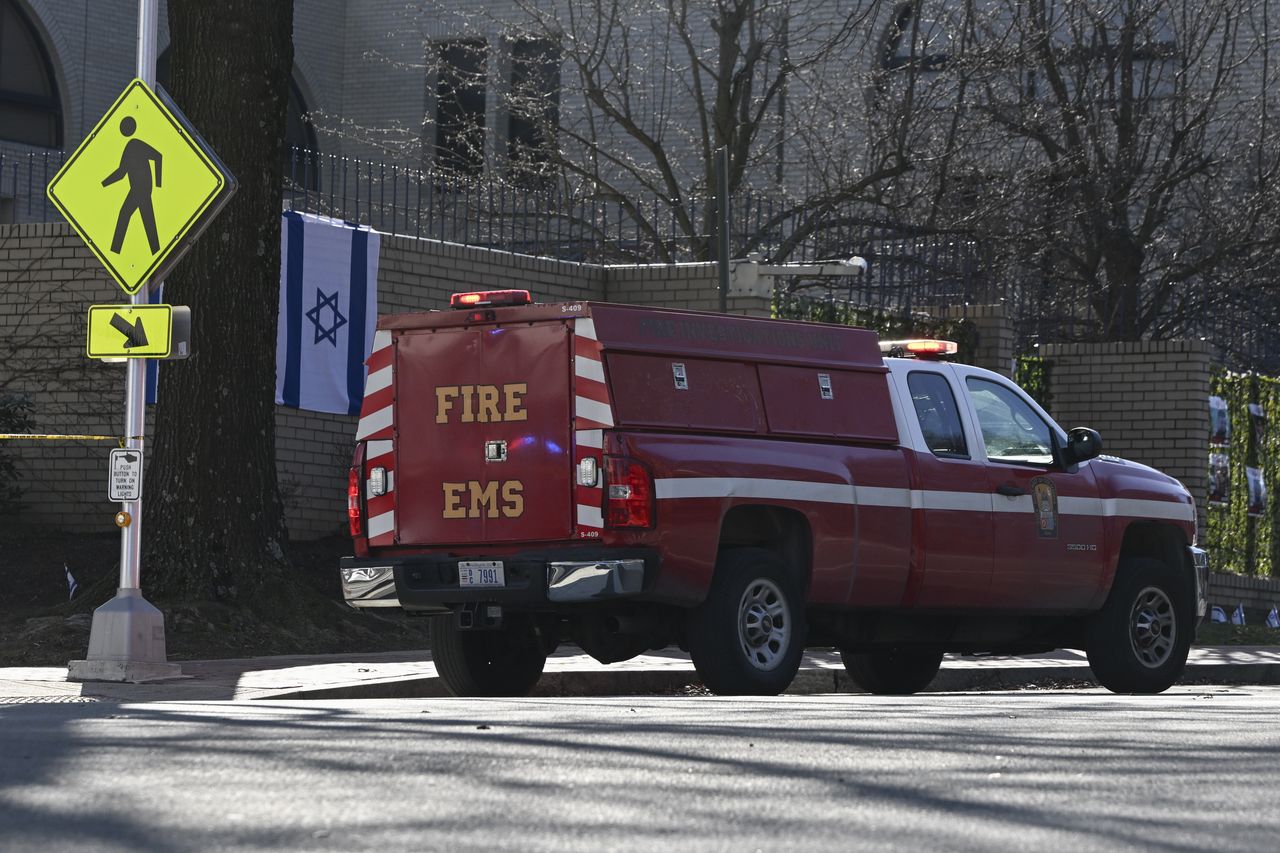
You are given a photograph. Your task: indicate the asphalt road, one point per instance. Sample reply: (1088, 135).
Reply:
(1193, 769)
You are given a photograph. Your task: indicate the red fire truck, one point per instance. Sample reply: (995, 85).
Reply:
(627, 478)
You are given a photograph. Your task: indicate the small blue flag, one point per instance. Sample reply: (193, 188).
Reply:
(1237, 617)
(154, 297)
(1217, 614)
(72, 586)
(1273, 618)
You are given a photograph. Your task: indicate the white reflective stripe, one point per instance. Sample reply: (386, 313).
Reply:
(1128, 508)
(381, 339)
(391, 481)
(373, 422)
(800, 490)
(378, 448)
(585, 327)
(956, 501)
(589, 516)
(742, 487)
(588, 368)
(880, 496)
(1149, 509)
(591, 410)
(378, 380)
(380, 525)
(590, 438)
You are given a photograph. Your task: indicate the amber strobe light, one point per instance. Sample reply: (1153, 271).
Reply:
(490, 298)
(920, 348)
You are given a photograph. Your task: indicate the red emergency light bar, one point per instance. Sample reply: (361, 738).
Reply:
(481, 298)
(918, 348)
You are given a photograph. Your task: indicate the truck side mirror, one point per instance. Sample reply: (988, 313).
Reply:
(1082, 444)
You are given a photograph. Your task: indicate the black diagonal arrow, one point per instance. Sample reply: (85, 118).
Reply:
(134, 336)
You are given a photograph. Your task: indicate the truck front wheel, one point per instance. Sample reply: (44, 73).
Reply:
(896, 672)
(747, 638)
(1138, 643)
(505, 662)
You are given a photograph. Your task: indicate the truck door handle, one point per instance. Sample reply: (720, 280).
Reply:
(1010, 491)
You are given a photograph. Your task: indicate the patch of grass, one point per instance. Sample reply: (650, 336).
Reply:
(1220, 634)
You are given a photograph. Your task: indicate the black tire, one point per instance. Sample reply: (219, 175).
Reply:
(1138, 642)
(506, 662)
(896, 672)
(747, 638)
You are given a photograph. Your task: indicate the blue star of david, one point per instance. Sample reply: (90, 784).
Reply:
(329, 334)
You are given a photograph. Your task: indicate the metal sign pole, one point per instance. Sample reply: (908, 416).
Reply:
(126, 641)
(135, 398)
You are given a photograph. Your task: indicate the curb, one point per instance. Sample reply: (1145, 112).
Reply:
(808, 682)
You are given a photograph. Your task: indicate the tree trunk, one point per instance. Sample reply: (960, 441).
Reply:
(214, 520)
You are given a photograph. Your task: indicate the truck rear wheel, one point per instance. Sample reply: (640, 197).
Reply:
(1138, 643)
(747, 638)
(897, 672)
(505, 662)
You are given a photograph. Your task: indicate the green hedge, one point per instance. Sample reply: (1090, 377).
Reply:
(1237, 542)
(889, 326)
(1031, 372)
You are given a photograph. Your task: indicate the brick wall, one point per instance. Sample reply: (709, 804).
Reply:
(690, 286)
(1146, 399)
(1258, 595)
(48, 280)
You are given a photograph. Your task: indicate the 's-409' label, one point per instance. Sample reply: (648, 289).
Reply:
(481, 573)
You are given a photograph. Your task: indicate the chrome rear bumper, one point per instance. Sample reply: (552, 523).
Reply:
(370, 586)
(586, 581)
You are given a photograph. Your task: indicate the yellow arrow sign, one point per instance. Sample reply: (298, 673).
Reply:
(130, 331)
(140, 187)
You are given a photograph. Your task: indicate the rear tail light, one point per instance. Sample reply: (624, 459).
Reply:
(354, 474)
(628, 493)
(353, 501)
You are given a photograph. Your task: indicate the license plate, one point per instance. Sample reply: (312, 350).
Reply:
(481, 573)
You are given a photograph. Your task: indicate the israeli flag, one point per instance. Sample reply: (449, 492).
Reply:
(72, 586)
(328, 310)
(1273, 618)
(1217, 614)
(1237, 617)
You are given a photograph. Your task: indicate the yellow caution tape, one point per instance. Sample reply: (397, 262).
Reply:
(13, 436)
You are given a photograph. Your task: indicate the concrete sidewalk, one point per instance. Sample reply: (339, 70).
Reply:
(572, 673)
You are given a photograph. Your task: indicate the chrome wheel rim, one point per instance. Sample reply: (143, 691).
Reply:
(1153, 627)
(764, 624)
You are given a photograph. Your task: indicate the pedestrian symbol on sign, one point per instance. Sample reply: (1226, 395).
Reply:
(135, 165)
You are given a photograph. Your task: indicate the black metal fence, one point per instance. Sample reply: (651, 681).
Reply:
(909, 269)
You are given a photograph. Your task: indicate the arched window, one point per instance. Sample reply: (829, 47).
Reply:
(30, 108)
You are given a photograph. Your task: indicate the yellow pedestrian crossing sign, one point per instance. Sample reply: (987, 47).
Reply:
(141, 187)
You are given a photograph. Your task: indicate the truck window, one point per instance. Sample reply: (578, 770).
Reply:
(936, 410)
(1011, 430)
